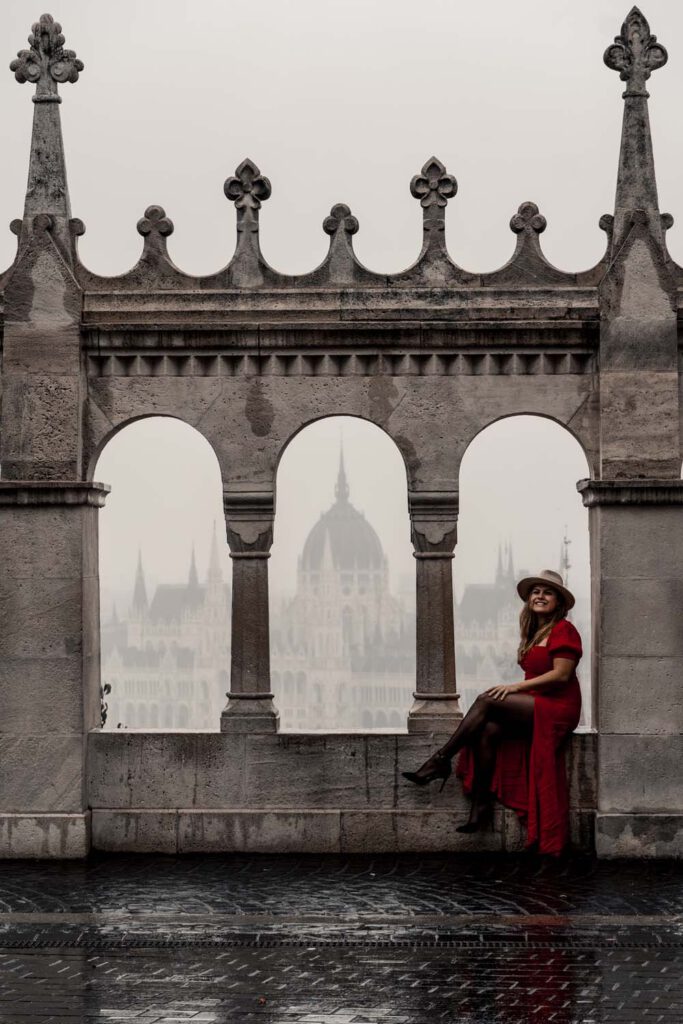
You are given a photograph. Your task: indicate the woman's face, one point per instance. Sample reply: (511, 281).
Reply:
(543, 601)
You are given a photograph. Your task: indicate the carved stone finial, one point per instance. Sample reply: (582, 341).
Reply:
(156, 222)
(635, 54)
(340, 218)
(528, 219)
(155, 227)
(247, 189)
(433, 187)
(47, 62)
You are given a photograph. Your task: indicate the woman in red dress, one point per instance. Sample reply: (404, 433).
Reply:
(511, 741)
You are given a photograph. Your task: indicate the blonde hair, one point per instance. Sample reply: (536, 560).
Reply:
(531, 631)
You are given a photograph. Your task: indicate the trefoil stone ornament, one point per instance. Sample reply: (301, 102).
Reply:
(340, 217)
(635, 53)
(47, 62)
(528, 219)
(433, 187)
(247, 189)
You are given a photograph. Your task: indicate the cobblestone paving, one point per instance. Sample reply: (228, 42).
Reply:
(331, 940)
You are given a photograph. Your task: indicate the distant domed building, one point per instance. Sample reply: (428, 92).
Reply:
(343, 648)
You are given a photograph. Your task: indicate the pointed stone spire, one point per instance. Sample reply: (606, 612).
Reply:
(247, 189)
(140, 590)
(635, 54)
(46, 64)
(511, 567)
(341, 490)
(214, 573)
(193, 577)
(499, 567)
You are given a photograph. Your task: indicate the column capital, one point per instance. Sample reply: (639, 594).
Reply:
(52, 492)
(249, 519)
(638, 491)
(434, 522)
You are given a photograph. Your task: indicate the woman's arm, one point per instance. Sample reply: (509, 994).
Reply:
(561, 672)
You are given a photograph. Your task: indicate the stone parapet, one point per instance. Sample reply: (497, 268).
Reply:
(341, 792)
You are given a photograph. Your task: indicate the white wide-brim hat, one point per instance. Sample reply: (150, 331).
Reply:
(548, 578)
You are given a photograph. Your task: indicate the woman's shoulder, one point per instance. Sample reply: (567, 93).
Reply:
(565, 634)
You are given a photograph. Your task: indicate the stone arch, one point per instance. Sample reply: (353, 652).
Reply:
(174, 504)
(344, 614)
(517, 498)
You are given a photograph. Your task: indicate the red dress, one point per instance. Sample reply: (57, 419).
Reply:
(530, 775)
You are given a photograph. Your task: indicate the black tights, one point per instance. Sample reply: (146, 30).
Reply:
(485, 724)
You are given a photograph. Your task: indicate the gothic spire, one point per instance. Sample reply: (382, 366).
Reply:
(635, 54)
(341, 490)
(511, 567)
(499, 568)
(193, 578)
(46, 64)
(214, 574)
(140, 589)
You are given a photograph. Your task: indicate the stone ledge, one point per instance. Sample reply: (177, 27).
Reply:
(309, 830)
(52, 492)
(630, 492)
(44, 836)
(639, 835)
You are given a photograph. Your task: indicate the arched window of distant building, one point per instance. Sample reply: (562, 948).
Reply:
(520, 513)
(342, 575)
(164, 572)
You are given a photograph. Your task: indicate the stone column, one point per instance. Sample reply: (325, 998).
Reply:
(249, 523)
(434, 517)
(636, 545)
(49, 663)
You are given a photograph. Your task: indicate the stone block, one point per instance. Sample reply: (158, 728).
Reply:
(381, 831)
(41, 773)
(639, 835)
(642, 618)
(41, 543)
(259, 831)
(220, 777)
(44, 836)
(636, 542)
(149, 831)
(41, 695)
(643, 695)
(639, 423)
(141, 770)
(640, 774)
(41, 423)
(40, 618)
(581, 758)
(306, 770)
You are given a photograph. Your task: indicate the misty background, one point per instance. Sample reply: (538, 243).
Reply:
(337, 102)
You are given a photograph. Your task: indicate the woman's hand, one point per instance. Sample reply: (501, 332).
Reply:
(501, 691)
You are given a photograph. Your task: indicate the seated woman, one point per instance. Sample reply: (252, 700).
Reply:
(511, 741)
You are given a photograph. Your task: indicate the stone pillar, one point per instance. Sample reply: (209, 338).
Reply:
(637, 545)
(249, 523)
(49, 663)
(434, 517)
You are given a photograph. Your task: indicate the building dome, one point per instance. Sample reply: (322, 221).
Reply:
(352, 543)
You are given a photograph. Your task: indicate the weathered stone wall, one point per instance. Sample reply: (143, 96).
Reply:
(185, 793)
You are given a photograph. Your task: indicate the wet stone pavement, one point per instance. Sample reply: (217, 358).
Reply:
(332, 940)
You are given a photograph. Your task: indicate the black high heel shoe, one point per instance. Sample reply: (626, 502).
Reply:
(442, 770)
(484, 820)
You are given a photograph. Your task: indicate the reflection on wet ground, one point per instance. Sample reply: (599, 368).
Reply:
(467, 939)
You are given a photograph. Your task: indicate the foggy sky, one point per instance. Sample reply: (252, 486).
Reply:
(341, 101)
